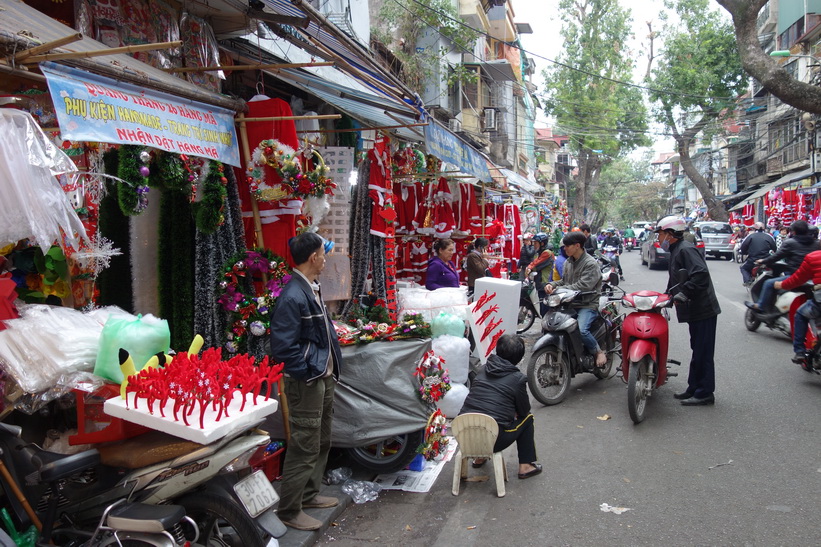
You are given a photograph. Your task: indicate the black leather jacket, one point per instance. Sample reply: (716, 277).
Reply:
(301, 333)
(793, 251)
(701, 297)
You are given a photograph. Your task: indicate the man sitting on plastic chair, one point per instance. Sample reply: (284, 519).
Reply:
(500, 391)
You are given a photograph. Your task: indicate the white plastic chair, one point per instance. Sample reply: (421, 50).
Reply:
(476, 435)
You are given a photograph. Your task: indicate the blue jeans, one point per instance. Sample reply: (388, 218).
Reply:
(809, 311)
(585, 318)
(767, 291)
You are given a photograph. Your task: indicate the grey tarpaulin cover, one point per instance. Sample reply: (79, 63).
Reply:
(377, 395)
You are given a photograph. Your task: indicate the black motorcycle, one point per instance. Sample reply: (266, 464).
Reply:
(528, 306)
(560, 354)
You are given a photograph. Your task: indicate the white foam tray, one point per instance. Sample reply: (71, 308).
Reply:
(236, 421)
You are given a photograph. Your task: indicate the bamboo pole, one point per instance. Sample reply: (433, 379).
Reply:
(48, 46)
(397, 120)
(100, 52)
(243, 119)
(20, 496)
(247, 67)
(352, 129)
(260, 242)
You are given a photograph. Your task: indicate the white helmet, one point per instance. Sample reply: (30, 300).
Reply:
(672, 223)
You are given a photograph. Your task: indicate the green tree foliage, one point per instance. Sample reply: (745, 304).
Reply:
(626, 194)
(402, 23)
(605, 119)
(699, 63)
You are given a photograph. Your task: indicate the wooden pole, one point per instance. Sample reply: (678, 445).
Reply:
(48, 46)
(247, 67)
(243, 119)
(100, 52)
(397, 120)
(20, 497)
(351, 129)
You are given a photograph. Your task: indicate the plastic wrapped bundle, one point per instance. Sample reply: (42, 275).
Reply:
(447, 324)
(47, 344)
(452, 402)
(431, 303)
(455, 351)
(141, 337)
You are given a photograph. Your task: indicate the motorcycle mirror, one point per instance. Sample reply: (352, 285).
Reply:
(682, 275)
(614, 279)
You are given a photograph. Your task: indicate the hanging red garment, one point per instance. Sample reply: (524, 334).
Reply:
(405, 203)
(513, 223)
(419, 255)
(443, 221)
(380, 188)
(423, 221)
(278, 218)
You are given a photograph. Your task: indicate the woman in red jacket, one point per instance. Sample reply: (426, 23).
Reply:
(810, 269)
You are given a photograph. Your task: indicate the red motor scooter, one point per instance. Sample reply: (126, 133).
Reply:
(644, 339)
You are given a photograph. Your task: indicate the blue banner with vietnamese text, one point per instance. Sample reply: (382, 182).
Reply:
(448, 147)
(94, 108)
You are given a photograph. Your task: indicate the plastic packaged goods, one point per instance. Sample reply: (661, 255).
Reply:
(452, 402)
(455, 350)
(431, 303)
(448, 324)
(48, 344)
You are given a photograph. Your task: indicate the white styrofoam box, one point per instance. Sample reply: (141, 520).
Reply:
(431, 303)
(235, 422)
(505, 296)
(452, 402)
(456, 353)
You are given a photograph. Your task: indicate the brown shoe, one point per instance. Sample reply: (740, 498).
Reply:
(321, 502)
(302, 521)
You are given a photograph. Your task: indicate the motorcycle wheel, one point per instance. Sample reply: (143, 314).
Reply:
(637, 388)
(750, 321)
(526, 319)
(390, 454)
(548, 376)
(603, 373)
(221, 523)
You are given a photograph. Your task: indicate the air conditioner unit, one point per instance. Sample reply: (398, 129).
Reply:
(490, 119)
(454, 125)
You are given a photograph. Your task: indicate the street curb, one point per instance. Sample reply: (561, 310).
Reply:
(300, 538)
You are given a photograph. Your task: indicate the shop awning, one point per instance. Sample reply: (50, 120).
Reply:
(519, 181)
(23, 27)
(786, 179)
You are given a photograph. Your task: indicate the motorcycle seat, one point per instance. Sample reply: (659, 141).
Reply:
(65, 467)
(146, 449)
(142, 517)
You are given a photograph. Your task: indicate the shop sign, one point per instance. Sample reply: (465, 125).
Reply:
(94, 108)
(447, 147)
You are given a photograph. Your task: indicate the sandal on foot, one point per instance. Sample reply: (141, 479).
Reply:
(533, 472)
(478, 462)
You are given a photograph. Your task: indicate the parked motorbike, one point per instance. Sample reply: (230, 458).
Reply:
(560, 354)
(228, 504)
(780, 318)
(120, 523)
(528, 306)
(644, 339)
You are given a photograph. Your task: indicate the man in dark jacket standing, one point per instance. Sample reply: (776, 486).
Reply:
(758, 245)
(302, 336)
(696, 305)
(500, 391)
(792, 251)
(590, 244)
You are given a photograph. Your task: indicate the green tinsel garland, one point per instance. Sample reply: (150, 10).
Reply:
(129, 171)
(176, 266)
(208, 211)
(168, 172)
(114, 282)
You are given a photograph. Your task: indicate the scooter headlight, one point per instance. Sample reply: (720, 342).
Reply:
(554, 300)
(644, 303)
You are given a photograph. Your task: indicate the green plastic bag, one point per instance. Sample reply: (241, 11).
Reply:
(447, 323)
(141, 338)
(21, 539)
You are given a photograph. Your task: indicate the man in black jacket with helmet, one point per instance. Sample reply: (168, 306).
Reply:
(758, 245)
(696, 305)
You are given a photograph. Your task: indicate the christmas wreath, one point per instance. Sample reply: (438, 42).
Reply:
(242, 294)
(435, 439)
(298, 179)
(433, 377)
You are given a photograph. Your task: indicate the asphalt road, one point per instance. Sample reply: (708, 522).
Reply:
(762, 434)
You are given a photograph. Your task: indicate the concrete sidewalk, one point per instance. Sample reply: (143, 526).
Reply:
(300, 538)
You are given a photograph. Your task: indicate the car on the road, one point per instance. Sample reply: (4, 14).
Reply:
(717, 237)
(638, 228)
(655, 257)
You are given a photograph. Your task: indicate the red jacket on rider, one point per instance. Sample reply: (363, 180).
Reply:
(810, 269)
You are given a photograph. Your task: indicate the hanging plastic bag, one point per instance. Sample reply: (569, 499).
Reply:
(448, 324)
(141, 338)
(361, 491)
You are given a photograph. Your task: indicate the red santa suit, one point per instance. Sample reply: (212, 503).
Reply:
(443, 221)
(380, 188)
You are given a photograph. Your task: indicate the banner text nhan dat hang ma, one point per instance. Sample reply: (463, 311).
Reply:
(94, 108)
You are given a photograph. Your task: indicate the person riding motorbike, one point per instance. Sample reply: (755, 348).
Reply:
(543, 264)
(612, 240)
(629, 236)
(792, 250)
(758, 245)
(810, 269)
(528, 252)
(581, 273)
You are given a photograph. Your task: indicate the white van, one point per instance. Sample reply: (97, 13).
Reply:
(638, 227)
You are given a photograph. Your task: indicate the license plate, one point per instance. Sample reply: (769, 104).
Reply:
(256, 493)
